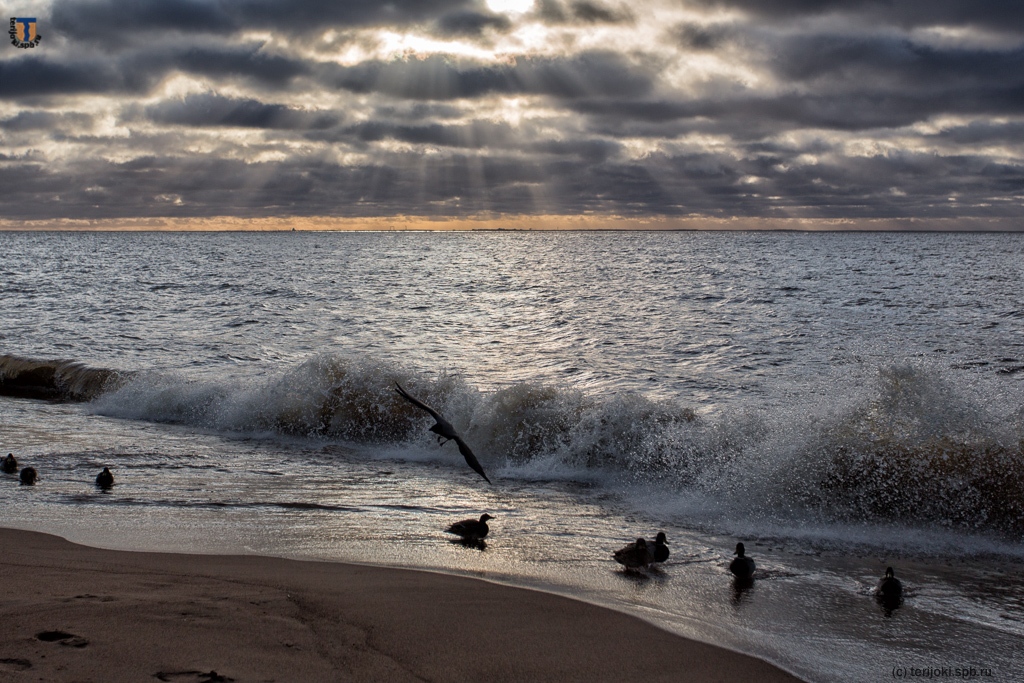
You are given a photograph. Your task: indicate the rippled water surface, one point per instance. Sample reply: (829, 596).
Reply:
(838, 401)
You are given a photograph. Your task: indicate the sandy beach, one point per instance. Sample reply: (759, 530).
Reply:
(74, 613)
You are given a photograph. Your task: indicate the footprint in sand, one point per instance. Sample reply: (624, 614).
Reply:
(13, 664)
(62, 637)
(90, 596)
(191, 677)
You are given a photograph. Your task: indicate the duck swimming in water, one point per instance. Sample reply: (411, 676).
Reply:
(445, 431)
(634, 555)
(471, 530)
(28, 476)
(889, 591)
(105, 479)
(659, 548)
(742, 567)
(9, 464)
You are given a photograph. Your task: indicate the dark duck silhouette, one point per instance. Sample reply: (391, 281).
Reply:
(471, 530)
(659, 548)
(634, 555)
(445, 431)
(105, 479)
(742, 567)
(9, 464)
(889, 591)
(28, 476)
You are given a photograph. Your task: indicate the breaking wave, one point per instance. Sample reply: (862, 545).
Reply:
(55, 380)
(907, 446)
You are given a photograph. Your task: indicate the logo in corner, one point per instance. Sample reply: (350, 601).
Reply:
(23, 32)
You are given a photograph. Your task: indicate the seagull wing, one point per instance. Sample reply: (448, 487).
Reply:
(470, 458)
(443, 428)
(420, 404)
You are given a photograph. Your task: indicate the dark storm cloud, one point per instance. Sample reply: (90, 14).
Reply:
(553, 11)
(41, 76)
(433, 78)
(117, 21)
(471, 23)
(718, 184)
(986, 132)
(859, 82)
(582, 11)
(995, 14)
(318, 188)
(475, 135)
(759, 115)
(896, 61)
(311, 15)
(589, 149)
(44, 120)
(839, 82)
(441, 78)
(596, 13)
(251, 189)
(700, 38)
(853, 188)
(478, 135)
(138, 73)
(214, 110)
(418, 111)
(245, 61)
(111, 20)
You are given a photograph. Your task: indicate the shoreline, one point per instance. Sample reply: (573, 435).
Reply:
(77, 613)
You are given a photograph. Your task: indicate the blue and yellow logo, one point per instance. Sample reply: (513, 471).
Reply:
(23, 32)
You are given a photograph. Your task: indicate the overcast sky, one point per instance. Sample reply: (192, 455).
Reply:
(684, 109)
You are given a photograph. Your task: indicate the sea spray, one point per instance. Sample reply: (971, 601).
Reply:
(325, 397)
(908, 447)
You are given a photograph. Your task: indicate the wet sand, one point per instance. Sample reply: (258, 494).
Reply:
(74, 613)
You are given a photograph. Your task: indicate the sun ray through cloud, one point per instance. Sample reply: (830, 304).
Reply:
(559, 106)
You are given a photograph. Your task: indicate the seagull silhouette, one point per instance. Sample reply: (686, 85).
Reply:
(445, 432)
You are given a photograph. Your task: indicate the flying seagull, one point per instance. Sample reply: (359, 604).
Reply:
(445, 432)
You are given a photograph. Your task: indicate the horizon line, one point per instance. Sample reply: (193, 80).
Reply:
(515, 223)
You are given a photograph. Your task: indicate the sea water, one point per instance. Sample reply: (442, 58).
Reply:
(839, 402)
